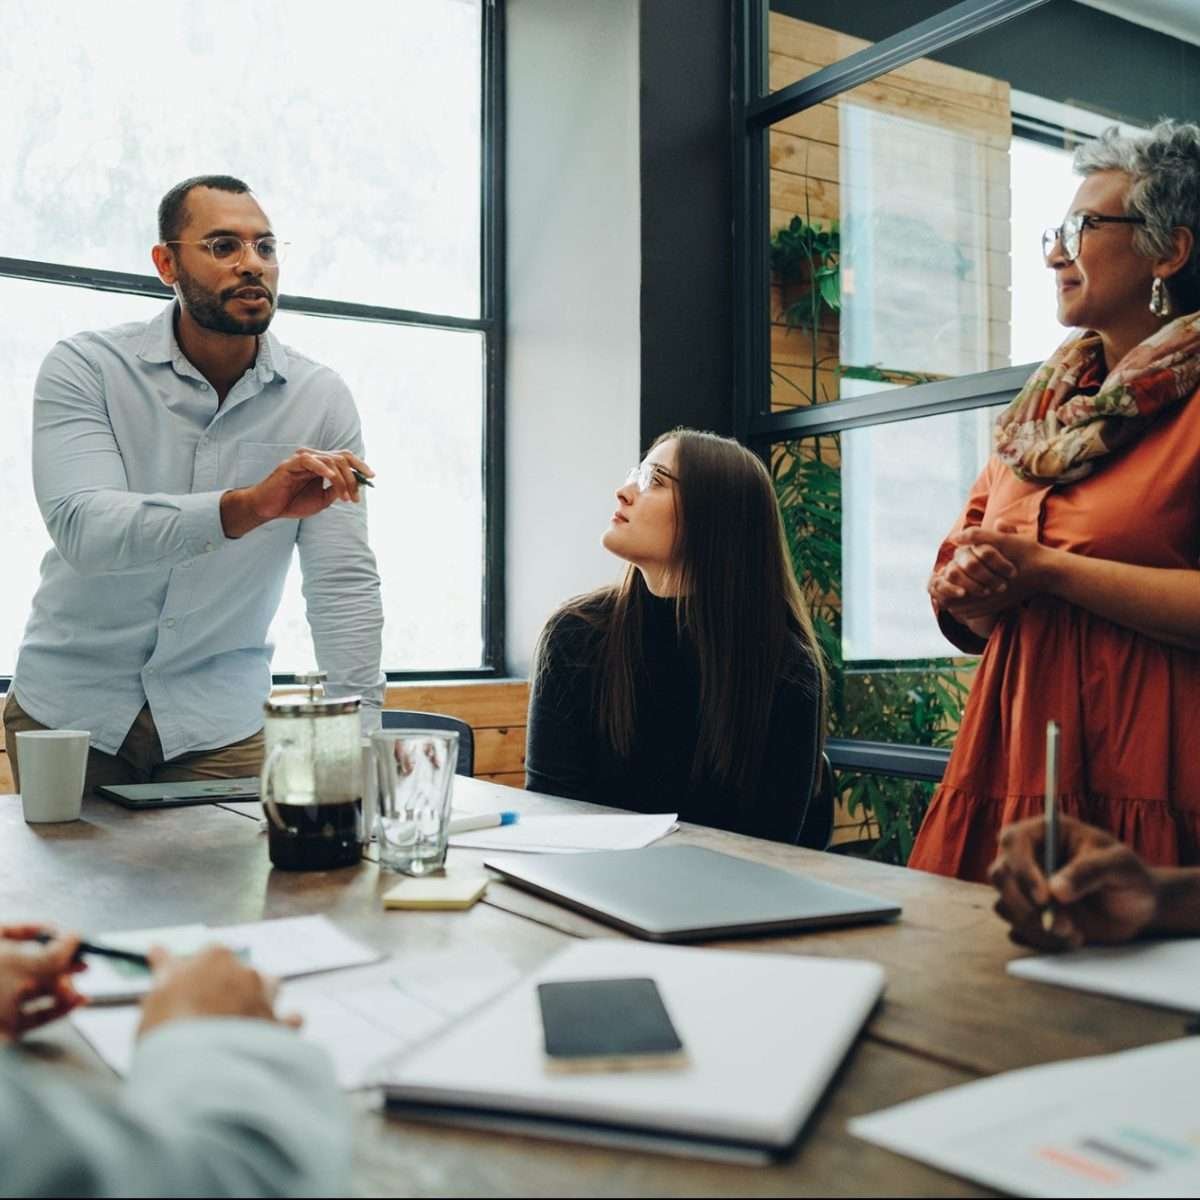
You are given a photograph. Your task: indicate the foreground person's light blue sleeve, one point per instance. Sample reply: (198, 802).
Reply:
(214, 1107)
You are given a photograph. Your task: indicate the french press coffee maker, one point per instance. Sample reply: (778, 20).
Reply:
(312, 779)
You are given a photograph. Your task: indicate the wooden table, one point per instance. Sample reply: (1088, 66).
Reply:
(950, 1012)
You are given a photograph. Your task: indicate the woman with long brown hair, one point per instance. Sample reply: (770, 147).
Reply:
(695, 684)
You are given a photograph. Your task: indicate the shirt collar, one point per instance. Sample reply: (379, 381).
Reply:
(159, 346)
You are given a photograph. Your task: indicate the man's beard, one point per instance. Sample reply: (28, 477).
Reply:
(208, 310)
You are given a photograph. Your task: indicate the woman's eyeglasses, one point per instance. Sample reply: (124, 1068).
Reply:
(1070, 233)
(647, 474)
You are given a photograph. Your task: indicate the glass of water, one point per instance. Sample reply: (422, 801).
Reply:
(415, 769)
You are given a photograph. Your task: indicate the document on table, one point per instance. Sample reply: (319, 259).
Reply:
(362, 1017)
(571, 834)
(286, 948)
(1166, 972)
(1115, 1125)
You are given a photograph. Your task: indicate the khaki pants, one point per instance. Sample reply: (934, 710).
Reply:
(140, 758)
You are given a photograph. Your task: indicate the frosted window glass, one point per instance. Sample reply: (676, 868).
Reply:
(420, 395)
(358, 126)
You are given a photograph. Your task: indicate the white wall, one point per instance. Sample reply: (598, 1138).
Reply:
(574, 274)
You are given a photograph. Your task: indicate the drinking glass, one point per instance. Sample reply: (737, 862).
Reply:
(416, 779)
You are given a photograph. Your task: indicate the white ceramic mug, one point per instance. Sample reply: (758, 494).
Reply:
(52, 763)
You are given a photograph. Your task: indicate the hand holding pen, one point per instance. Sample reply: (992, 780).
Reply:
(35, 979)
(1101, 892)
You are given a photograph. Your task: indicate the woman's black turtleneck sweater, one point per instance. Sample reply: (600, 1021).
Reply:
(567, 756)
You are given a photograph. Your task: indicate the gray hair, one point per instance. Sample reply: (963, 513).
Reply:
(1164, 165)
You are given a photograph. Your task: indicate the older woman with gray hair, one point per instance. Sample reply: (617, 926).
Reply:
(1073, 567)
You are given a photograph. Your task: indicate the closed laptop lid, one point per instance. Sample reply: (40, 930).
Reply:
(688, 893)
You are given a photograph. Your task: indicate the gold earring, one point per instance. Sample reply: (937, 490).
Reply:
(1160, 302)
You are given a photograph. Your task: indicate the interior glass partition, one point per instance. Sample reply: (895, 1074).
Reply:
(893, 182)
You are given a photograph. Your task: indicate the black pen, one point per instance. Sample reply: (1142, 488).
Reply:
(362, 479)
(129, 956)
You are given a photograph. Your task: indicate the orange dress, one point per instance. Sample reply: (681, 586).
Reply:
(1129, 706)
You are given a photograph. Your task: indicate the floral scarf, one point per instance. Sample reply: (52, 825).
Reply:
(1059, 426)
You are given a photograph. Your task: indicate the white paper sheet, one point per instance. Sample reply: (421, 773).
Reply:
(1166, 972)
(286, 948)
(1116, 1125)
(571, 834)
(362, 1017)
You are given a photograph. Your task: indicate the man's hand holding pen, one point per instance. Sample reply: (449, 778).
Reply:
(301, 486)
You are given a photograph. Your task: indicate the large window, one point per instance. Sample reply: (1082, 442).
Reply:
(373, 142)
(893, 181)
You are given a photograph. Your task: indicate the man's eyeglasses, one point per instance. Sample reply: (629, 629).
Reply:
(229, 251)
(1070, 232)
(647, 474)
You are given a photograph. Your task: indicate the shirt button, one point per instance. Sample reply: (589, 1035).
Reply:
(208, 546)
(170, 622)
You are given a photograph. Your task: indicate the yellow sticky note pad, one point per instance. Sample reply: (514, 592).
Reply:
(436, 891)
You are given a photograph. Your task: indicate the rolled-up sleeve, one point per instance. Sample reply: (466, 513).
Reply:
(215, 1107)
(341, 581)
(98, 525)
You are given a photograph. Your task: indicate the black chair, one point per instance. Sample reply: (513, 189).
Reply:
(402, 718)
(818, 820)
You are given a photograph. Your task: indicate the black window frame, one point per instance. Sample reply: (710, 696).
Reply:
(491, 323)
(755, 111)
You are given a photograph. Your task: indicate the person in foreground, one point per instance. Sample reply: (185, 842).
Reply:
(1073, 567)
(223, 1099)
(178, 464)
(696, 684)
(1103, 892)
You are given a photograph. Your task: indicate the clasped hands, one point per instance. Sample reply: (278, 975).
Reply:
(36, 985)
(991, 570)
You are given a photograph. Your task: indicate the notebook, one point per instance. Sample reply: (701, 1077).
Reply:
(1158, 972)
(763, 1034)
(687, 893)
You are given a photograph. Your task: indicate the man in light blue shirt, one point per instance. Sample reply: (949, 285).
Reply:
(177, 464)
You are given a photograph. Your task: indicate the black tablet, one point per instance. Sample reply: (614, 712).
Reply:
(181, 793)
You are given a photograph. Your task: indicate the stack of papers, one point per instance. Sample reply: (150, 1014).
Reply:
(1115, 1125)
(571, 834)
(362, 1017)
(286, 948)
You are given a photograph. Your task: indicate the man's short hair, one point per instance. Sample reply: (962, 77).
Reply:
(172, 209)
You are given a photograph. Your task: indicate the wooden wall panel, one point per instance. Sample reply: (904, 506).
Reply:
(495, 710)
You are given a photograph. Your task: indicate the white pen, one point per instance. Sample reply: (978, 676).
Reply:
(482, 821)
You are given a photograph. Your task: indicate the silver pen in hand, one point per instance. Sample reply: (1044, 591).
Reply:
(1050, 845)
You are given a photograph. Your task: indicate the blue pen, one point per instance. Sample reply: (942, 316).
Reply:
(482, 821)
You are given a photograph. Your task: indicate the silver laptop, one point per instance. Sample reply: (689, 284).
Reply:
(688, 894)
